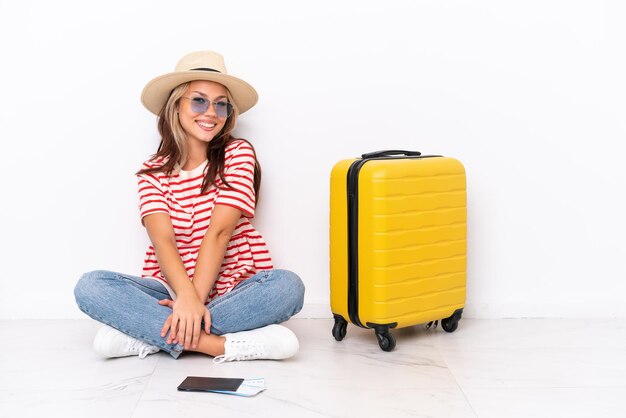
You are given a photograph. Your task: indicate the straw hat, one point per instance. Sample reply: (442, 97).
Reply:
(199, 65)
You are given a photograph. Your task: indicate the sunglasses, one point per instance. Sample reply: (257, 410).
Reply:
(223, 109)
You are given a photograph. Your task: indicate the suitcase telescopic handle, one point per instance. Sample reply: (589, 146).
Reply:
(385, 153)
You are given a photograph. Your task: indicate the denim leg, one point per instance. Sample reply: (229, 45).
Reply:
(268, 297)
(128, 304)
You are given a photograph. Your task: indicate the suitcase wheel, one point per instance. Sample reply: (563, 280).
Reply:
(386, 341)
(340, 328)
(452, 323)
(449, 325)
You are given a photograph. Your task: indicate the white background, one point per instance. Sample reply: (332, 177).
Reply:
(529, 95)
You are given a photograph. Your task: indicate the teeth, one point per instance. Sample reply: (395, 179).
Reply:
(206, 125)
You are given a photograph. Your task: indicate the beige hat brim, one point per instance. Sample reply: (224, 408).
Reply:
(157, 91)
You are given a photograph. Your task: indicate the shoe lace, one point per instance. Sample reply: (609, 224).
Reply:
(241, 350)
(221, 359)
(140, 347)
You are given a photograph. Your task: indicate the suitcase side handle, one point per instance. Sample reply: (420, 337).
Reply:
(385, 153)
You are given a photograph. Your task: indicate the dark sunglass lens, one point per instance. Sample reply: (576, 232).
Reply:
(199, 105)
(223, 109)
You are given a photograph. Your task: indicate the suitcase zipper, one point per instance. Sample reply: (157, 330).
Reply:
(353, 236)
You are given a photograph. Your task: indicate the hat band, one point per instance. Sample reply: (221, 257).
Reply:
(205, 69)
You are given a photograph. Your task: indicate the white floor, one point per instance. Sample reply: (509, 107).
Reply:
(487, 368)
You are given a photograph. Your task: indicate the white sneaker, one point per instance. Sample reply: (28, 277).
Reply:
(273, 342)
(110, 342)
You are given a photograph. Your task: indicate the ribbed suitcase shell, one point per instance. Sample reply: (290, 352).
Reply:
(411, 228)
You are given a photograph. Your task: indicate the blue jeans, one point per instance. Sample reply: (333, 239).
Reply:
(130, 304)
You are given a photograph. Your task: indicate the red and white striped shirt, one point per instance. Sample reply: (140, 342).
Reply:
(190, 212)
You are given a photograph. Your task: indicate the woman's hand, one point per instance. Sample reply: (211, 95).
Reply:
(185, 322)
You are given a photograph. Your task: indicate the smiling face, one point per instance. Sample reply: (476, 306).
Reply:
(202, 126)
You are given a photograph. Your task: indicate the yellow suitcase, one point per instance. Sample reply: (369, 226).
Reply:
(397, 242)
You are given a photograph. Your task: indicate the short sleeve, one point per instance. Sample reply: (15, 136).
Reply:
(152, 198)
(239, 174)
